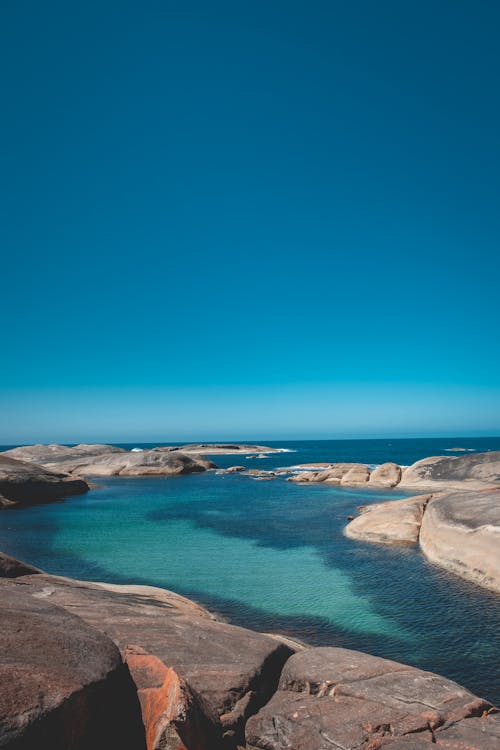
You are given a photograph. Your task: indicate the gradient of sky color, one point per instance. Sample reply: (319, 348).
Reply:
(254, 219)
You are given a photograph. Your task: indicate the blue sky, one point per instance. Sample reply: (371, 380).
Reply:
(229, 220)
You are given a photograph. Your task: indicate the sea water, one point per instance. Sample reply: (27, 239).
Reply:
(271, 555)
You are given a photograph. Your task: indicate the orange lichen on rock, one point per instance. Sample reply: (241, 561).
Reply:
(172, 713)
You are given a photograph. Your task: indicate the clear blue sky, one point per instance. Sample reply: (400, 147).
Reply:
(249, 219)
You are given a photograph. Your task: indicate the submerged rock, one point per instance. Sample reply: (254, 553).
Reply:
(26, 483)
(337, 698)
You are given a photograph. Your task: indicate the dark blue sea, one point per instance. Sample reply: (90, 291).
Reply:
(271, 555)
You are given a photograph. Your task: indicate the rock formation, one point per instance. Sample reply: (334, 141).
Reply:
(62, 683)
(474, 471)
(26, 483)
(337, 698)
(183, 662)
(212, 449)
(92, 666)
(386, 475)
(107, 460)
(389, 522)
(461, 532)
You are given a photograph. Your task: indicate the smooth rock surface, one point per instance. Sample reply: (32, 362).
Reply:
(358, 475)
(340, 473)
(386, 475)
(27, 483)
(474, 471)
(106, 460)
(234, 671)
(62, 683)
(337, 698)
(389, 522)
(12, 568)
(461, 532)
(212, 449)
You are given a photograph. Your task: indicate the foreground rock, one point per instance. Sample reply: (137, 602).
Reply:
(107, 460)
(337, 698)
(390, 522)
(474, 471)
(184, 663)
(62, 683)
(461, 532)
(26, 483)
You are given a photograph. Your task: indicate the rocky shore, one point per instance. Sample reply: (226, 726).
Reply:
(457, 526)
(472, 472)
(90, 666)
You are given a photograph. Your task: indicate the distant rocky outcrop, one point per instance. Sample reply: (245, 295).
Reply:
(474, 471)
(337, 698)
(27, 483)
(92, 666)
(107, 460)
(212, 449)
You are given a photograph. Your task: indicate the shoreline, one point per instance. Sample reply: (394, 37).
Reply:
(198, 706)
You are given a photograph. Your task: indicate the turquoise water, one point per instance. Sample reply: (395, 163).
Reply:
(271, 555)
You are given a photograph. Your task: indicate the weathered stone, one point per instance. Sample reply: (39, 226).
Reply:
(173, 714)
(233, 670)
(27, 483)
(106, 460)
(12, 568)
(358, 475)
(474, 471)
(390, 522)
(213, 449)
(231, 470)
(63, 684)
(336, 474)
(331, 697)
(461, 532)
(386, 475)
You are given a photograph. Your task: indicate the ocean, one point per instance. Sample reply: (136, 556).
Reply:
(271, 555)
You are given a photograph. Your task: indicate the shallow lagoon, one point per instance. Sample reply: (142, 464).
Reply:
(270, 555)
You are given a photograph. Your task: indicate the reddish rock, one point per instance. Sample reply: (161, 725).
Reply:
(234, 671)
(63, 684)
(331, 697)
(172, 713)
